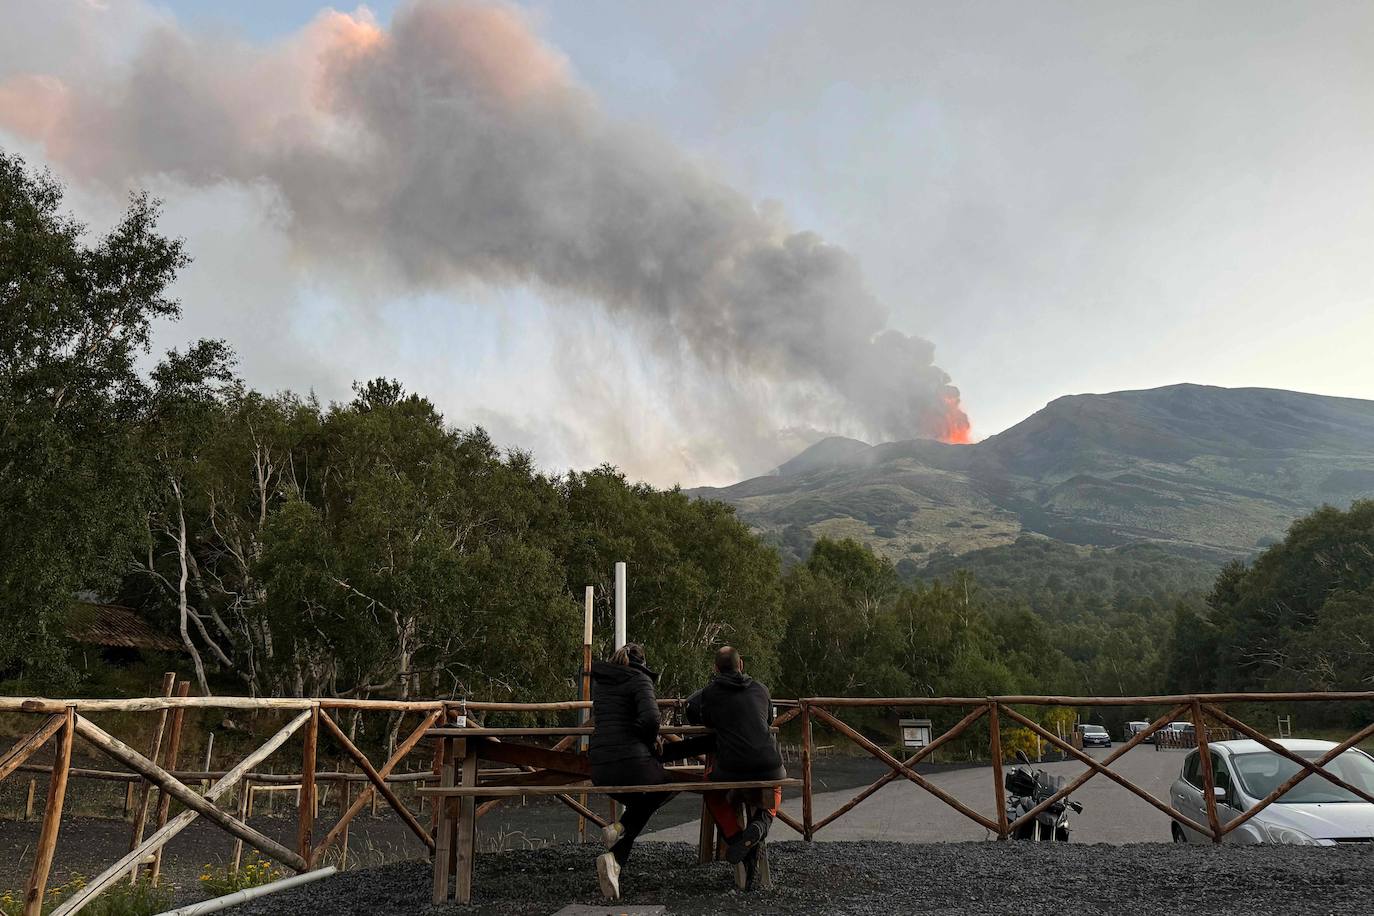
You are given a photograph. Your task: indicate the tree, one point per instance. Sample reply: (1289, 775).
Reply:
(77, 314)
(1299, 616)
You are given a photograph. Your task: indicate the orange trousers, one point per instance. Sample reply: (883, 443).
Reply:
(725, 813)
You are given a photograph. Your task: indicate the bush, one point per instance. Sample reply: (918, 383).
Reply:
(226, 880)
(142, 898)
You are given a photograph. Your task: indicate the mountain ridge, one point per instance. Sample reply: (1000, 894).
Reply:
(1188, 467)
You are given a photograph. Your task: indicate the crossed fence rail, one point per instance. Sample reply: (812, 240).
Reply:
(66, 720)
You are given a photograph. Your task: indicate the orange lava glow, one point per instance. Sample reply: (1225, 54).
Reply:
(957, 430)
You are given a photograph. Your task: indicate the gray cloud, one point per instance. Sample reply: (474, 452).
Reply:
(455, 148)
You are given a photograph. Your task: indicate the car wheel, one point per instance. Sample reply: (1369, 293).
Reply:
(1179, 835)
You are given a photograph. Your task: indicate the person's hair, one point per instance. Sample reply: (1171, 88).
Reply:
(728, 660)
(631, 652)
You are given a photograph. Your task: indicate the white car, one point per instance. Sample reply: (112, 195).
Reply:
(1315, 812)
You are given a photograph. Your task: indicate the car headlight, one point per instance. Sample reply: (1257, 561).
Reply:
(1287, 836)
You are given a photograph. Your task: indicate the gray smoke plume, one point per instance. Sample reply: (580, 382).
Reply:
(455, 147)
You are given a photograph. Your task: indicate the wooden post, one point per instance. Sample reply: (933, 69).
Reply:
(706, 840)
(28, 804)
(995, 749)
(443, 834)
(129, 800)
(305, 807)
(437, 770)
(164, 801)
(1204, 754)
(467, 823)
(344, 807)
(169, 683)
(52, 818)
(807, 821)
(245, 813)
(209, 753)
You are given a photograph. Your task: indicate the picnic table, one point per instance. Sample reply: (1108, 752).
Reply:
(528, 769)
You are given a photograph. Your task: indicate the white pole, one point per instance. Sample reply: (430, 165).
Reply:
(250, 893)
(589, 598)
(619, 605)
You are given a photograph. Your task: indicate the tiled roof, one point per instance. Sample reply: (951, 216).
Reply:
(113, 625)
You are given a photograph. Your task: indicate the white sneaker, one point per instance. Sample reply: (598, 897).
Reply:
(608, 873)
(611, 834)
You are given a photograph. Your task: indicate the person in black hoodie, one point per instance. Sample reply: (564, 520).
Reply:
(623, 745)
(740, 711)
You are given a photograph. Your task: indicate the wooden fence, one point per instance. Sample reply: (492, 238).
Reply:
(317, 719)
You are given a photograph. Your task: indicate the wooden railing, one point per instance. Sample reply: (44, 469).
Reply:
(1204, 711)
(316, 719)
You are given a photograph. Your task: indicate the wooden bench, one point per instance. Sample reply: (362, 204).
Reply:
(555, 772)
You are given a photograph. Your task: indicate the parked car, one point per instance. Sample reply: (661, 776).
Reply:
(1183, 726)
(1095, 736)
(1315, 812)
(1135, 728)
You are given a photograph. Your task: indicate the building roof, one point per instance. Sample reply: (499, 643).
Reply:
(114, 625)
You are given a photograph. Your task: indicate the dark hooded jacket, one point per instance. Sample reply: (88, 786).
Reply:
(625, 710)
(740, 711)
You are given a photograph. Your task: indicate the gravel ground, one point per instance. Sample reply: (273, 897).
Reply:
(968, 879)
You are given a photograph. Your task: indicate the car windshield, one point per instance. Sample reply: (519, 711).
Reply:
(1094, 730)
(1263, 772)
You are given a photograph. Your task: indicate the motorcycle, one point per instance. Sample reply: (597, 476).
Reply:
(1026, 788)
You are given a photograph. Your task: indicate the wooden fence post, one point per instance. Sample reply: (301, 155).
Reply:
(169, 682)
(306, 800)
(995, 749)
(52, 818)
(245, 813)
(164, 801)
(808, 829)
(1209, 781)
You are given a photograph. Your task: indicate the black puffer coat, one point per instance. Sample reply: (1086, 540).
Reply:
(740, 710)
(625, 710)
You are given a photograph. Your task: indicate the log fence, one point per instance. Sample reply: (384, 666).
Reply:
(200, 793)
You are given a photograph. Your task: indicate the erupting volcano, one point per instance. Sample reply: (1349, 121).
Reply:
(956, 429)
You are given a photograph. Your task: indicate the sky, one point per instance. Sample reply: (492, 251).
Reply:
(1060, 197)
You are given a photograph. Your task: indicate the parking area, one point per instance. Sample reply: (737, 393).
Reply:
(903, 812)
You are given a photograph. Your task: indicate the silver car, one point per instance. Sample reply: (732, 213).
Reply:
(1315, 812)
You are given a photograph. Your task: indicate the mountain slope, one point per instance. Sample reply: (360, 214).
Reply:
(1210, 471)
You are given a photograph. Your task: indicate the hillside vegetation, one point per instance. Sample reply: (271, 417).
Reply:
(1208, 473)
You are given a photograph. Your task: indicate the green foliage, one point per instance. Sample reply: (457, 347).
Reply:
(77, 314)
(1062, 582)
(142, 898)
(855, 629)
(1300, 617)
(217, 882)
(367, 548)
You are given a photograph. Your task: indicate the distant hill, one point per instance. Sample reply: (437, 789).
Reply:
(1207, 472)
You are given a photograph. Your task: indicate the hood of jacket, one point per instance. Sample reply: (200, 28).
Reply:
(735, 680)
(607, 673)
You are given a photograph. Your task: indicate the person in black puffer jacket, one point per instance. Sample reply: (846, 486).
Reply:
(740, 711)
(623, 752)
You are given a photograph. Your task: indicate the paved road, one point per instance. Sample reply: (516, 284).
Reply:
(903, 812)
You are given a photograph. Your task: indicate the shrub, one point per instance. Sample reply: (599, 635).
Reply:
(216, 882)
(142, 898)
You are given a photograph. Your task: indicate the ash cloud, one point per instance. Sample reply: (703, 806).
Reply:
(454, 148)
